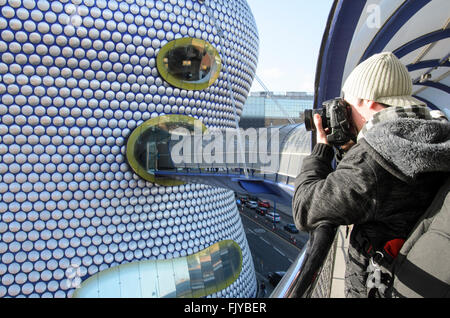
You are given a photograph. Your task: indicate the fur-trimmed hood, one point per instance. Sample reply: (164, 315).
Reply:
(412, 145)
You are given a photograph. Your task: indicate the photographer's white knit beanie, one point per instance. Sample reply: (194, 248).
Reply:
(381, 78)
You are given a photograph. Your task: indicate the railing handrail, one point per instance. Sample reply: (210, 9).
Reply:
(302, 275)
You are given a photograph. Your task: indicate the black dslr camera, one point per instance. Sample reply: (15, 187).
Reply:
(335, 116)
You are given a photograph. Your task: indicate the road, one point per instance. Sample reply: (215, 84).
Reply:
(298, 239)
(272, 249)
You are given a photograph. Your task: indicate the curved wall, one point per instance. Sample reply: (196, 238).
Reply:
(76, 78)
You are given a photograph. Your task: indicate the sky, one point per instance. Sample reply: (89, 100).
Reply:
(290, 34)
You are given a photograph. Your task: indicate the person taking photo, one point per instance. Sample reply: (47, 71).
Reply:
(385, 181)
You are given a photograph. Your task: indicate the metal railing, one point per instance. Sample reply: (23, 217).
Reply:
(303, 277)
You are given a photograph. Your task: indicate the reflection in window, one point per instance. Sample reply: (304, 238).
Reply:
(148, 146)
(195, 273)
(166, 278)
(198, 275)
(189, 63)
(182, 279)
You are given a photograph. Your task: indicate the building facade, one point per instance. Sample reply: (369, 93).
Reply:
(76, 78)
(263, 109)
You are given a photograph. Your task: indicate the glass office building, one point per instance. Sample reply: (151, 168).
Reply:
(264, 109)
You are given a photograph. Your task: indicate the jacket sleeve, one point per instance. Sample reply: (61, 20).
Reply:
(341, 197)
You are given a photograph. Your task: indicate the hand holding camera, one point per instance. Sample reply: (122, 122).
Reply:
(321, 133)
(332, 123)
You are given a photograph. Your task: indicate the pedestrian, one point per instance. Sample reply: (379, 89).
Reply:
(262, 287)
(385, 181)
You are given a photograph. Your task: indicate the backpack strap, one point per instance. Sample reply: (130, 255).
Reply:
(381, 260)
(383, 252)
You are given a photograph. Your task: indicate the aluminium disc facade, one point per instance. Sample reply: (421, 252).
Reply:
(76, 78)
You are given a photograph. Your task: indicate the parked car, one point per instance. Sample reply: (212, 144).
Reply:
(275, 277)
(263, 204)
(291, 228)
(261, 211)
(273, 216)
(251, 204)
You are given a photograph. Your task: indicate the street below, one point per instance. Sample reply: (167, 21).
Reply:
(273, 248)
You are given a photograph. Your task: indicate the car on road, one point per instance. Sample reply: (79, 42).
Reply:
(251, 204)
(264, 204)
(261, 211)
(291, 228)
(273, 216)
(275, 277)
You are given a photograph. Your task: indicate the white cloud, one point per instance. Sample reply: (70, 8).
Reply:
(306, 83)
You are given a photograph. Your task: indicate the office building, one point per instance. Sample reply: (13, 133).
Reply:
(263, 109)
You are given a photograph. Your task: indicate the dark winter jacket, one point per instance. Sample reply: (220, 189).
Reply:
(382, 186)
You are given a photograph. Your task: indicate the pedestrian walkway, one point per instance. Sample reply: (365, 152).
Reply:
(337, 284)
(287, 210)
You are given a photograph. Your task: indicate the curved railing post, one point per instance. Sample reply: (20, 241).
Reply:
(301, 277)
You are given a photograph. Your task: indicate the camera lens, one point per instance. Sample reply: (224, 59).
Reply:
(309, 122)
